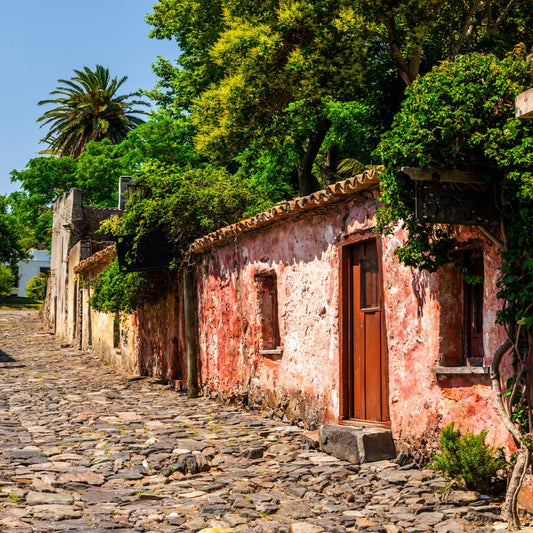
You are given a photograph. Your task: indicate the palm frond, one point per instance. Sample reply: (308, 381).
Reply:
(87, 108)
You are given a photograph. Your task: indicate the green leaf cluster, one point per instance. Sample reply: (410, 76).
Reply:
(467, 459)
(185, 203)
(7, 280)
(115, 291)
(46, 178)
(12, 247)
(36, 287)
(458, 116)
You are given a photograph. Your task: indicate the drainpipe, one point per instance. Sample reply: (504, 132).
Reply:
(190, 332)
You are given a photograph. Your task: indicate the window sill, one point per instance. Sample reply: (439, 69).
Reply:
(272, 353)
(460, 370)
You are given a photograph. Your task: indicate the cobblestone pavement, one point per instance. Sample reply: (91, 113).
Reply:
(84, 448)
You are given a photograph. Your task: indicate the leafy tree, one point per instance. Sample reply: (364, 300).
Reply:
(116, 292)
(419, 34)
(7, 280)
(164, 138)
(88, 108)
(98, 169)
(36, 287)
(182, 202)
(262, 76)
(195, 25)
(185, 203)
(461, 116)
(11, 246)
(46, 178)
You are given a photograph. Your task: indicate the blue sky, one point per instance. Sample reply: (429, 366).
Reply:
(42, 41)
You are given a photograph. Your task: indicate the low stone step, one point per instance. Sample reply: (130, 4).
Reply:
(357, 444)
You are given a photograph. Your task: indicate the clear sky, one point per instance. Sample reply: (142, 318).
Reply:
(42, 41)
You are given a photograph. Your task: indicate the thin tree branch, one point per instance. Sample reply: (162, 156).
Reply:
(493, 27)
(464, 29)
(492, 237)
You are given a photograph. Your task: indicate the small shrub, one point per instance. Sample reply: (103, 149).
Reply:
(467, 459)
(7, 281)
(36, 287)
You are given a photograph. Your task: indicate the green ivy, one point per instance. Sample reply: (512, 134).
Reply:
(115, 291)
(459, 116)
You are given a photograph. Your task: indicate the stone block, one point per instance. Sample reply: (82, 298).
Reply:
(357, 445)
(341, 442)
(376, 444)
(524, 104)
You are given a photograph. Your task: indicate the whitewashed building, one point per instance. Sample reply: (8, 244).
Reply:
(39, 261)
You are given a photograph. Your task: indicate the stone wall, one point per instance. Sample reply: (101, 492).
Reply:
(72, 223)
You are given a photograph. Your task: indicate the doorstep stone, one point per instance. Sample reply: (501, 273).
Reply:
(356, 444)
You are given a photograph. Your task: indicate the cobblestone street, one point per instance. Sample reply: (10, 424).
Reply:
(84, 448)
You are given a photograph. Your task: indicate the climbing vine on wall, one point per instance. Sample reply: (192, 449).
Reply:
(461, 116)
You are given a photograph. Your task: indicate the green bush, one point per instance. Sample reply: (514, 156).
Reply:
(115, 291)
(467, 459)
(36, 287)
(7, 281)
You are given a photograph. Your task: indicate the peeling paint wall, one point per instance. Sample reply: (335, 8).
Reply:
(158, 337)
(302, 383)
(288, 362)
(419, 336)
(73, 240)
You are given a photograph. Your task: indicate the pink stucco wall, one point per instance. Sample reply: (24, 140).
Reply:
(158, 338)
(302, 384)
(421, 402)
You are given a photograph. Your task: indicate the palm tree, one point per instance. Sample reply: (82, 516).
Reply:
(88, 109)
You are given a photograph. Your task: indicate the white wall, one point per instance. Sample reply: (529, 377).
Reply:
(28, 269)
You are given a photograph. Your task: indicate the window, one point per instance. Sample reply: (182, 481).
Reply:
(473, 281)
(461, 290)
(267, 300)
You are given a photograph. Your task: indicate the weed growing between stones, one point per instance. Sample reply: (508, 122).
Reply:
(467, 459)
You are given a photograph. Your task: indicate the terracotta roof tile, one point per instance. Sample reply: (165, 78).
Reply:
(103, 256)
(334, 193)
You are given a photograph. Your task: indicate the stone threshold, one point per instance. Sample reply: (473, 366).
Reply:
(357, 444)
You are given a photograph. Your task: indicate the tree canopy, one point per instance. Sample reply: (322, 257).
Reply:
(11, 246)
(260, 81)
(88, 108)
(261, 78)
(45, 178)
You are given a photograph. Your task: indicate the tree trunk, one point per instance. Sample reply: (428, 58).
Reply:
(510, 506)
(190, 332)
(307, 182)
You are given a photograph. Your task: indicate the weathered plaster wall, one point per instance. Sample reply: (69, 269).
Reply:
(72, 223)
(302, 383)
(418, 336)
(158, 337)
(67, 210)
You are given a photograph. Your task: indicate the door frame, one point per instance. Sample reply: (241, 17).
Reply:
(346, 330)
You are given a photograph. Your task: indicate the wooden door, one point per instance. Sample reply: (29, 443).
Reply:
(366, 397)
